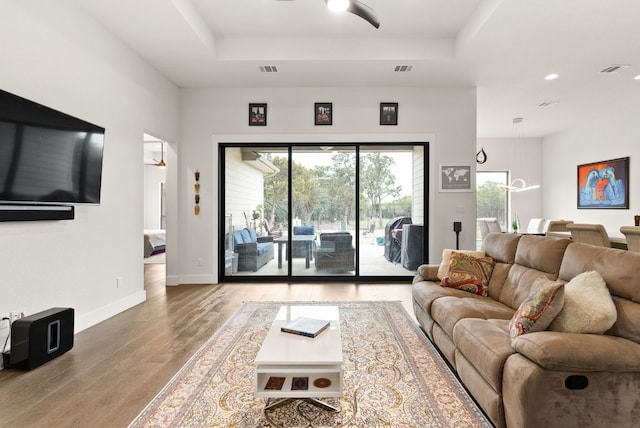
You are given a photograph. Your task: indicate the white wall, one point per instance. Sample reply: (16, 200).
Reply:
(51, 53)
(446, 117)
(522, 157)
(243, 190)
(608, 136)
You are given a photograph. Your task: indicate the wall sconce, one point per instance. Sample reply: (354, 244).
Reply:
(196, 208)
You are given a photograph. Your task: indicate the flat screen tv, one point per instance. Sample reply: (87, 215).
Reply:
(46, 156)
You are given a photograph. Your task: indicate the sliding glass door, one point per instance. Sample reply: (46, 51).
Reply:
(314, 211)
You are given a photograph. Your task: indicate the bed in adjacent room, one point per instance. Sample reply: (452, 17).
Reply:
(154, 242)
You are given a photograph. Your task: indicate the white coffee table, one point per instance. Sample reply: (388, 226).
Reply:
(289, 366)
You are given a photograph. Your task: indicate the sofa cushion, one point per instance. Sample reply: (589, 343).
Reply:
(501, 246)
(486, 345)
(304, 230)
(246, 237)
(588, 307)
(447, 311)
(540, 308)
(237, 237)
(541, 253)
(446, 260)
(252, 234)
(264, 247)
(469, 273)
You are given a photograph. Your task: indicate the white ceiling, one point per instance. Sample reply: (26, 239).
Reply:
(502, 47)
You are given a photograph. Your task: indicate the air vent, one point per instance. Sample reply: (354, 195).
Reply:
(268, 69)
(547, 103)
(614, 68)
(403, 68)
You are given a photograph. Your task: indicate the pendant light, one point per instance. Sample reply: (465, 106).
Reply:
(518, 184)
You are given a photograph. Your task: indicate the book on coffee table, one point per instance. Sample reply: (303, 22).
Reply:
(304, 326)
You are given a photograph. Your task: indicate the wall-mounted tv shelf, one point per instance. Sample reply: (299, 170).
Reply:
(36, 212)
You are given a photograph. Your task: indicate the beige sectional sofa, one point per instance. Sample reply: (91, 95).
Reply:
(546, 378)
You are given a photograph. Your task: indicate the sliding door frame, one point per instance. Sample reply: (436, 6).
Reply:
(289, 277)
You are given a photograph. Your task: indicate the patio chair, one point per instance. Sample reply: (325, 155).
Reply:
(336, 252)
(300, 249)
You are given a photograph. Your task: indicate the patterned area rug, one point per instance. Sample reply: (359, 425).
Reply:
(393, 377)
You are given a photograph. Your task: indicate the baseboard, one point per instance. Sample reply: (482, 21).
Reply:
(172, 280)
(96, 316)
(195, 279)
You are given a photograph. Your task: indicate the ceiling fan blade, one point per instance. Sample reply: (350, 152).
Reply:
(364, 12)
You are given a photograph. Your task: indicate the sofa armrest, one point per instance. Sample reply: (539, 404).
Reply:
(265, 238)
(579, 352)
(427, 272)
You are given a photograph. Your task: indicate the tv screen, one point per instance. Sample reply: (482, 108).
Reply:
(47, 156)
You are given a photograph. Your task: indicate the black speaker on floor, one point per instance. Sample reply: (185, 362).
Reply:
(41, 337)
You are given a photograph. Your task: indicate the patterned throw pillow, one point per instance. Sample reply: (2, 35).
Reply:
(469, 273)
(446, 260)
(544, 302)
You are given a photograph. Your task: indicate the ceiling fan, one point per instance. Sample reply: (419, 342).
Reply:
(159, 163)
(355, 7)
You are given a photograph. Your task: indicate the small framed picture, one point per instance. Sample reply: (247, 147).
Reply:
(455, 178)
(388, 113)
(258, 114)
(323, 113)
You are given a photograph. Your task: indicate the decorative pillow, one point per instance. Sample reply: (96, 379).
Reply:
(469, 273)
(446, 259)
(537, 311)
(588, 307)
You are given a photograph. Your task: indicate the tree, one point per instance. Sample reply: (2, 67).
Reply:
(276, 190)
(342, 184)
(491, 201)
(377, 181)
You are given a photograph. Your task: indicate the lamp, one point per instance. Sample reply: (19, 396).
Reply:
(518, 184)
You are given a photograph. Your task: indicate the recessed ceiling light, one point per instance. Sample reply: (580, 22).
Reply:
(552, 76)
(637, 77)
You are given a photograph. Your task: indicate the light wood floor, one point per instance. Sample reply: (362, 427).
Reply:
(116, 367)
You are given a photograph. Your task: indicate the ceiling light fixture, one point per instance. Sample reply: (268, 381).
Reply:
(552, 76)
(338, 5)
(637, 77)
(518, 185)
(355, 7)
